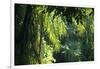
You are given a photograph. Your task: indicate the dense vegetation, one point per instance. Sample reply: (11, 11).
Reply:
(51, 34)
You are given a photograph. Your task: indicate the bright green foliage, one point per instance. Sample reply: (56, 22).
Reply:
(79, 28)
(50, 25)
(47, 54)
(52, 34)
(55, 27)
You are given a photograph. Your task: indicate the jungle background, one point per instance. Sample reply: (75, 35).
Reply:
(53, 34)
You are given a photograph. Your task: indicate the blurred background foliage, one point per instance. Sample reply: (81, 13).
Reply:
(53, 34)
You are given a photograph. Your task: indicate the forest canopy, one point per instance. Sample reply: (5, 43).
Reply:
(53, 34)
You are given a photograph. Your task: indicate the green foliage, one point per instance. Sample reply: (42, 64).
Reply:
(47, 54)
(51, 34)
(55, 27)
